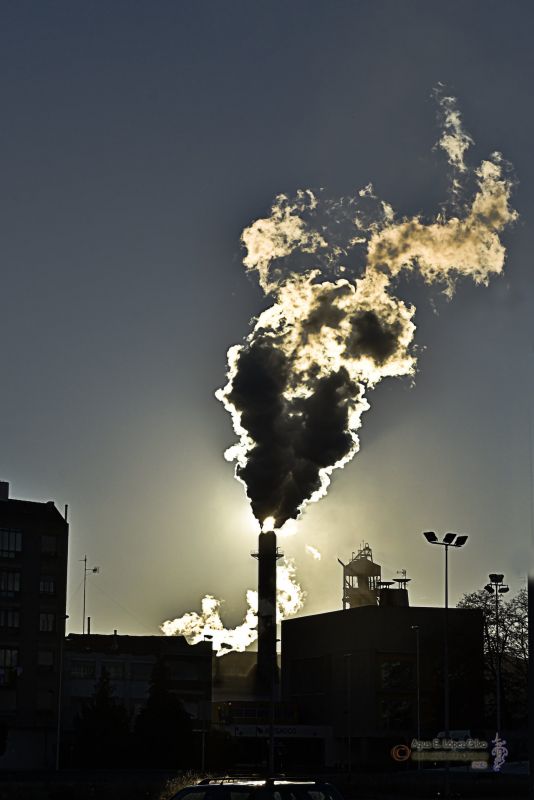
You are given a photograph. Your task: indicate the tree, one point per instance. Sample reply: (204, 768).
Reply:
(509, 650)
(102, 728)
(163, 727)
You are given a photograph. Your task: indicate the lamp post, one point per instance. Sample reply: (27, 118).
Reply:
(86, 569)
(348, 667)
(449, 540)
(497, 587)
(418, 684)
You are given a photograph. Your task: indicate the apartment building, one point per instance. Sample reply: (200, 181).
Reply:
(33, 579)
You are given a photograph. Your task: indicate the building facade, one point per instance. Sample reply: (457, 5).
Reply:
(33, 580)
(129, 662)
(356, 671)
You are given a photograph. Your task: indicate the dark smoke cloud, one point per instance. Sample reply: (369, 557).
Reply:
(373, 337)
(293, 438)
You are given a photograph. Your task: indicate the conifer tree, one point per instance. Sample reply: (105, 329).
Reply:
(163, 727)
(102, 728)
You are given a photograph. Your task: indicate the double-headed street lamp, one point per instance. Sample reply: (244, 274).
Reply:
(449, 540)
(497, 587)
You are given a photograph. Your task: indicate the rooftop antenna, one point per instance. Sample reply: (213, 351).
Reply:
(86, 569)
(403, 581)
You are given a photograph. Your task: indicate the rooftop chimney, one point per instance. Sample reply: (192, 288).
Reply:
(4, 490)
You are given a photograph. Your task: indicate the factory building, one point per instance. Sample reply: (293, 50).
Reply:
(349, 678)
(33, 577)
(356, 672)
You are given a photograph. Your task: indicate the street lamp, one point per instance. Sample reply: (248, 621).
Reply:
(449, 540)
(497, 587)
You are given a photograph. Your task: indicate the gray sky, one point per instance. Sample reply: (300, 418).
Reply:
(138, 139)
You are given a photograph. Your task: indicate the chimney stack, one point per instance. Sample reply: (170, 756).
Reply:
(4, 490)
(267, 667)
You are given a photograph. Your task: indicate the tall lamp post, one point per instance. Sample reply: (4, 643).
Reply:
(348, 666)
(415, 628)
(497, 587)
(449, 540)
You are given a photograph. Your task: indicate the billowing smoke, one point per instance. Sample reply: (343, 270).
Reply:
(297, 387)
(208, 624)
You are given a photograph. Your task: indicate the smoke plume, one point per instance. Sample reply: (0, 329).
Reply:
(313, 552)
(297, 386)
(208, 624)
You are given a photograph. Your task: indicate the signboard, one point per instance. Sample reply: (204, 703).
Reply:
(280, 731)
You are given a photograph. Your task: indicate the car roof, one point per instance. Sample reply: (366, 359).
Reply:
(261, 782)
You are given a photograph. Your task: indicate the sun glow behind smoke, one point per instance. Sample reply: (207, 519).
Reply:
(297, 386)
(208, 625)
(268, 524)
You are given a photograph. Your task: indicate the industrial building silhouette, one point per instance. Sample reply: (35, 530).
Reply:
(33, 581)
(343, 691)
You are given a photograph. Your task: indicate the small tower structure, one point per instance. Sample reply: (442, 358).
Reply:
(361, 579)
(395, 597)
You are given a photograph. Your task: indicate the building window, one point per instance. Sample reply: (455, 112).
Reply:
(396, 673)
(115, 670)
(9, 583)
(9, 659)
(396, 713)
(47, 584)
(9, 618)
(83, 669)
(10, 543)
(45, 659)
(183, 670)
(49, 545)
(141, 670)
(47, 622)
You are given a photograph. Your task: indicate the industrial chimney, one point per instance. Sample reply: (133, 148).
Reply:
(267, 668)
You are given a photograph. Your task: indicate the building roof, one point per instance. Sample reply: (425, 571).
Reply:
(119, 644)
(372, 617)
(24, 512)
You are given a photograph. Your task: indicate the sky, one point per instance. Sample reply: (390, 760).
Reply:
(138, 141)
